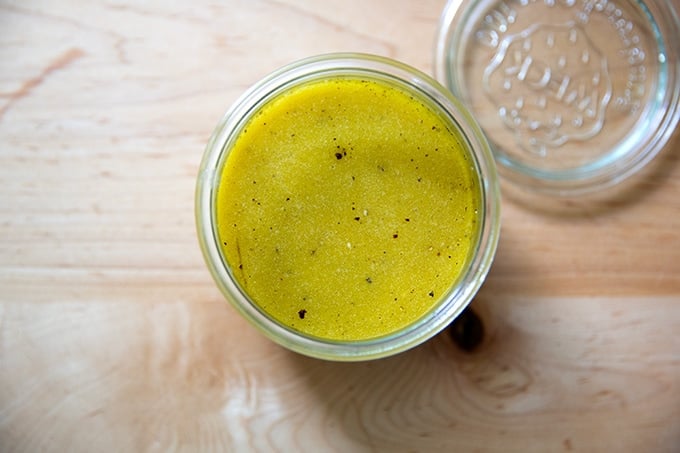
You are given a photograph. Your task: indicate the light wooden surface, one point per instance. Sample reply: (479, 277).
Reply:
(113, 336)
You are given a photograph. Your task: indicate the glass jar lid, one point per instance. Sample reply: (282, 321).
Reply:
(574, 95)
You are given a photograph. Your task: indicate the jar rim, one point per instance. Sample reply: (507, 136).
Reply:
(324, 66)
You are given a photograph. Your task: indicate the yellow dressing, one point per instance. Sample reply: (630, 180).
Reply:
(347, 208)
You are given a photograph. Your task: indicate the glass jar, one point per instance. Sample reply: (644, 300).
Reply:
(420, 88)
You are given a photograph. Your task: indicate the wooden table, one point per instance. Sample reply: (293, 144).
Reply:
(113, 336)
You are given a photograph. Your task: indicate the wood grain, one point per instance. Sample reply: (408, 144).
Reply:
(113, 336)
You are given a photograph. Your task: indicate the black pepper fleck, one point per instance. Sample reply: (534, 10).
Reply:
(302, 313)
(338, 156)
(431, 294)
